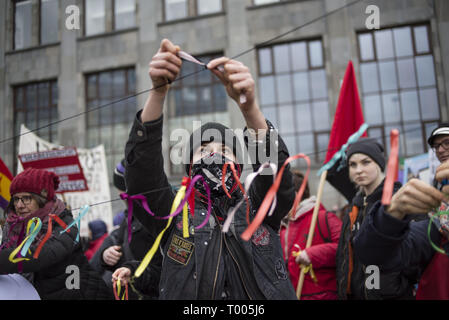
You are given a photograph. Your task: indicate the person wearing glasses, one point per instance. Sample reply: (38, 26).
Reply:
(60, 271)
(390, 240)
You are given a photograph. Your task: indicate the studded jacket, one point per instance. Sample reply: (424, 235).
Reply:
(209, 264)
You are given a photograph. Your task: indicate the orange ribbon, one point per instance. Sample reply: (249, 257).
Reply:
(392, 169)
(271, 193)
(48, 234)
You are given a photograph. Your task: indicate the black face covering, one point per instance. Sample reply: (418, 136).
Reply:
(211, 169)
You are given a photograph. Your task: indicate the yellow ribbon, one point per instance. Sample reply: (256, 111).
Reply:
(147, 259)
(306, 269)
(34, 223)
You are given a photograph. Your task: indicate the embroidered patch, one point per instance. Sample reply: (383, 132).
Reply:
(280, 270)
(261, 237)
(180, 250)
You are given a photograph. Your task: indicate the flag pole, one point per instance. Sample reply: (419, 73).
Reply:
(312, 229)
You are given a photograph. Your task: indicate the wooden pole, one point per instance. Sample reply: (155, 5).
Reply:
(312, 229)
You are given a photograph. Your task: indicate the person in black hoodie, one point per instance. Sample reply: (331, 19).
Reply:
(366, 162)
(61, 270)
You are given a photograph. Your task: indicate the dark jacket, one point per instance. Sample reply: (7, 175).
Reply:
(140, 243)
(393, 285)
(212, 264)
(51, 271)
(397, 244)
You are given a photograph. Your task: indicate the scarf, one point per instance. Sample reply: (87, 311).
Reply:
(15, 226)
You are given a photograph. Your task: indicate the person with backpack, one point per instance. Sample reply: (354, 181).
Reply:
(366, 162)
(390, 240)
(319, 284)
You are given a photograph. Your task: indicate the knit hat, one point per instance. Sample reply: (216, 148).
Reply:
(371, 148)
(38, 181)
(119, 176)
(216, 132)
(442, 129)
(98, 228)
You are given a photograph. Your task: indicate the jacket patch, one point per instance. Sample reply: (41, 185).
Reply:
(281, 272)
(261, 237)
(180, 250)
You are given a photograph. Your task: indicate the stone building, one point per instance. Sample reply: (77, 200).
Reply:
(61, 60)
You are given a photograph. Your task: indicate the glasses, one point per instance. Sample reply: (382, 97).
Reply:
(25, 200)
(444, 144)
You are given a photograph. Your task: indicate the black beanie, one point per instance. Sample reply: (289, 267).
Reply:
(213, 131)
(371, 148)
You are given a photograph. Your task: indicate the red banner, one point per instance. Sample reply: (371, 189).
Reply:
(63, 162)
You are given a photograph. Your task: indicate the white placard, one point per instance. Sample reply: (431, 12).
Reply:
(95, 170)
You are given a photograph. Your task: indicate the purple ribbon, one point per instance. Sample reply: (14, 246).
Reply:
(178, 210)
(130, 199)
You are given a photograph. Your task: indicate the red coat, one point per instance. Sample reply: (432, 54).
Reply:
(321, 253)
(94, 246)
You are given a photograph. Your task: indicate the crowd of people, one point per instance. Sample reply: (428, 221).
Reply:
(408, 248)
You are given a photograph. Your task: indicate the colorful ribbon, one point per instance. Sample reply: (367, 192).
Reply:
(51, 217)
(393, 166)
(269, 197)
(306, 269)
(248, 181)
(433, 216)
(83, 211)
(300, 192)
(117, 288)
(130, 200)
(179, 204)
(33, 227)
(341, 154)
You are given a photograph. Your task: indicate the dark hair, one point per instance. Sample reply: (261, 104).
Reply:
(298, 178)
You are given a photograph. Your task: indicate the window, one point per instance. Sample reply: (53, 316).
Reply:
(95, 16)
(124, 14)
(49, 21)
(22, 24)
(293, 94)
(399, 85)
(197, 91)
(35, 106)
(198, 95)
(179, 9)
(110, 125)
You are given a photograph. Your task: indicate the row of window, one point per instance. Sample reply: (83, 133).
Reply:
(95, 20)
(398, 90)
(124, 16)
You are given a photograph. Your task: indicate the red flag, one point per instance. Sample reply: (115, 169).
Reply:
(348, 115)
(348, 119)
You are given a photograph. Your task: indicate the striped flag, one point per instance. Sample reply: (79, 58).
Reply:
(5, 181)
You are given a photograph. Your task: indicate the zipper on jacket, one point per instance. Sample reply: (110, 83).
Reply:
(238, 267)
(218, 265)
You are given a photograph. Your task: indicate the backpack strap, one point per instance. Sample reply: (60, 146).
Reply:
(328, 238)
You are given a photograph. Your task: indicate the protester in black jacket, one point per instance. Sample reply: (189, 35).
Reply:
(209, 264)
(390, 240)
(61, 270)
(366, 163)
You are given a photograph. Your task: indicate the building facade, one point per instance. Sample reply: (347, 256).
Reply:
(66, 61)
